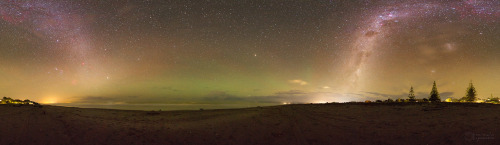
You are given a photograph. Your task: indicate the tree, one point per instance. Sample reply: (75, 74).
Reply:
(470, 94)
(399, 100)
(434, 94)
(412, 95)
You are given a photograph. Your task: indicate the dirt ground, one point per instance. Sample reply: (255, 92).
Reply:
(373, 123)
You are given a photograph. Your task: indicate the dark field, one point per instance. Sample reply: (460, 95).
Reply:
(372, 123)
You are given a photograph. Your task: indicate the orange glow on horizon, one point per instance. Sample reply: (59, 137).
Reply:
(49, 100)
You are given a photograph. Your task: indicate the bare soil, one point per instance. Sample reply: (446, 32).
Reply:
(373, 123)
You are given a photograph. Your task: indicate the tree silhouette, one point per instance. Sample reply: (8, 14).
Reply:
(411, 95)
(471, 94)
(26, 101)
(434, 94)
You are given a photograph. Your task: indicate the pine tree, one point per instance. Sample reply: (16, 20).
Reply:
(434, 94)
(471, 94)
(411, 95)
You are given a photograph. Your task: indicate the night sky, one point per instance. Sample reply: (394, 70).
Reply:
(246, 51)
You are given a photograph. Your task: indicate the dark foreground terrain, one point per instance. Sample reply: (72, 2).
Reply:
(290, 124)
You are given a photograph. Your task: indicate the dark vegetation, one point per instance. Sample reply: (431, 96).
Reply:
(434, 97)
(17, 102)
(434, 94)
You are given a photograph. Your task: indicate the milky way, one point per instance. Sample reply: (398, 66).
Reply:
(157, 51)
(385, 16)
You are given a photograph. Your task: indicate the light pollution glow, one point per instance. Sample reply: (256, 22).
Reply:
(168, 52)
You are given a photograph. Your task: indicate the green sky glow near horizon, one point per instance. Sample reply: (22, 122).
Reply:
(246, 51)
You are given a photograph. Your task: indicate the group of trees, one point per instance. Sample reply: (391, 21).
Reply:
(470, 96)
(8, 100)
(434, 96)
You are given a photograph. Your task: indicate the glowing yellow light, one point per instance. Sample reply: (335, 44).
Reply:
(320, 102)
(49, 100)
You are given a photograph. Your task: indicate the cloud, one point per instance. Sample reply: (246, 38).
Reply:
(220, 96)
(169, 89)
(418, 95)
(94, 99)
(223, 97)
(378, 95)
(129, 100)
(445, 95)
(300, 82)
(296, 96)
(104, 100)
(370, 33)
(291, 96)
(291, 92)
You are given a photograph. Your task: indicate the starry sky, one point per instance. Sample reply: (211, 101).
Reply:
(246, 51)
